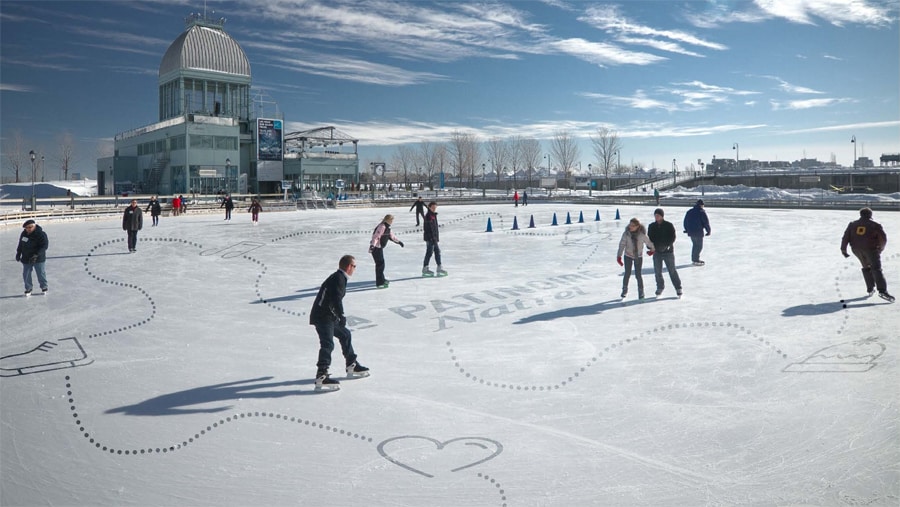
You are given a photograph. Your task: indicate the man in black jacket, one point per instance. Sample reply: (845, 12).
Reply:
(327, 315)
(132, 222)
(32, 253)
(662, 235)
(867, 239)
(432, 238)
(419, 204)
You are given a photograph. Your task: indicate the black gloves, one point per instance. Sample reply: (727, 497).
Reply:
(342, 321)
(400, 243)
(845, 253)
(18, 256)
(371, 248)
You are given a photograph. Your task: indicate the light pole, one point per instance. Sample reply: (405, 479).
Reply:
(853, 140)
(483, 190)
(227, 171)
(590, 180)
(42, 167)
(674, 172)
(737, 155)
(32, 155)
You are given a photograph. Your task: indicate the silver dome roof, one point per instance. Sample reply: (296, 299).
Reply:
(205, 48)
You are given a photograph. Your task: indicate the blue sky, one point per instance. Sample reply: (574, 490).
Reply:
(784, 79)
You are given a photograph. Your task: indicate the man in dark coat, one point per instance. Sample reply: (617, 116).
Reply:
(662, 235)
(867, 239)
(432, 237)
(695, 223)
(132, 222)
(228, 204)
(327, 315)
(32, 253)
(419, 204)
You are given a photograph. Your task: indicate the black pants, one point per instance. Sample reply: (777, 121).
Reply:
(327, 332)
(132, 240)
(378, 256)
(870, 259)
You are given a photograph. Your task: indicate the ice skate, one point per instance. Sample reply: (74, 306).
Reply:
(885, 296)
(357, 370)
(699, 263)
(427, 272)
(325, 382)
(441, 272)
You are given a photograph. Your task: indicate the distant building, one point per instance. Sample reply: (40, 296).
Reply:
(209, 138)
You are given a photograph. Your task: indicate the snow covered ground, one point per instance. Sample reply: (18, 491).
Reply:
(182, 374)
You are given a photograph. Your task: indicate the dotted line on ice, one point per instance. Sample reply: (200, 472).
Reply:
(612, 347)
(221, 422)
(143, 292)
(497, 486)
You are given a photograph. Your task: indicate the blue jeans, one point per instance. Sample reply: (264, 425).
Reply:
(669, 259)
(637, 274)
(697, 241)
(432, 247)
(328, 331)
(41, 275)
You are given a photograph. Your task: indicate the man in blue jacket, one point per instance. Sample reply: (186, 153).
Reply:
(695, 223)
(32, 253)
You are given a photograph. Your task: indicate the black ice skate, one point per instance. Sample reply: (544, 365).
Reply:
(885, 296)
(357, 370)
(325, 382)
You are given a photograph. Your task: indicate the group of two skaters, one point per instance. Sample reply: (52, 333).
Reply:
(327, 314)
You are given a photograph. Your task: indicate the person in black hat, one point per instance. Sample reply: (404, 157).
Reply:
(32, 253)
(695, 223)
(867, 239)
(662, 235)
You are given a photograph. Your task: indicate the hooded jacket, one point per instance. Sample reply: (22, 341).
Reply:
(31, 245)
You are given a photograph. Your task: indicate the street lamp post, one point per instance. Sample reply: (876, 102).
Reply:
(853, 140)
(674, 172)
(227, 172)
(590, 180)
(32, 155)
(483, 190)
(42, 167)
(737, 155)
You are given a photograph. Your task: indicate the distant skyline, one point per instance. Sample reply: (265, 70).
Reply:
(784, 80)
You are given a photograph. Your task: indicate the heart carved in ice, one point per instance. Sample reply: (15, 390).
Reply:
(425, 455)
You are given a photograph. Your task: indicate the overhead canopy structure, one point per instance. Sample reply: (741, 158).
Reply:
(322, 137)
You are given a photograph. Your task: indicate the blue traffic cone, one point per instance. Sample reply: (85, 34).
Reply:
(554, 220)
(531, 225)
(568, 218)
(580, 217)
(515, 224)
(617, 213)
(597, 218)
(489, 228)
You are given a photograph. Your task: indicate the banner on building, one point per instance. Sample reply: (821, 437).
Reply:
(269, 150)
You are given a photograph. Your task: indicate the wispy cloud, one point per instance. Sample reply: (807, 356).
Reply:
(806, 104)
(790, 88)
(601, 53)
(808, 12)
(611, 20)
(683, 96)
(847, 126)
(38, 65)
(8, 87)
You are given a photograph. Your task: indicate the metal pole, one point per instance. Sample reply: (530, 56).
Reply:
(33, 201)
(590, 180)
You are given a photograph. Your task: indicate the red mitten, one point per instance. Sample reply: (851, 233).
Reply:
(619, 260)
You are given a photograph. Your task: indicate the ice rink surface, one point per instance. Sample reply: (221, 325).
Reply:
(183, 374)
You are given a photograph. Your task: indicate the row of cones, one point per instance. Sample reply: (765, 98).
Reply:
(515, 226)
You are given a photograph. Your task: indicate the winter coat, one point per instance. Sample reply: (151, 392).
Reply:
(662, 235)
(228, 204)
(631, 242)
(419, 205)
(431, 227)
(154, 208)
(132, 219)
(864, 234)
(696, 221)
(32, 246)
(329, 303)
(255, 208)
(381, 235)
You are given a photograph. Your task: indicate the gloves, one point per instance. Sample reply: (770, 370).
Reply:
(33, 259)
(18, 256)
(619, 260)
(845, 254)
(342, 321)
(400, 243)
(371, 248)
(708, 233)
(650, 253)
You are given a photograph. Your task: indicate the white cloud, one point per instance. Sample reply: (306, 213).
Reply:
(611, 20)
(805, 104)
(835, 12)
(603, 54)
(7, 87)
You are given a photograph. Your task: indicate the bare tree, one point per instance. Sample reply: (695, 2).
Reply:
(530, 149)
(15, 155)
(441, 161)
(66, 153)
(565, 151)
(516, 157)
(606, 147)
(404, 162)
(464, 154)
(497, 154)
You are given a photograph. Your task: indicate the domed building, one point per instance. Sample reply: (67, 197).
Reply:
(208, 138)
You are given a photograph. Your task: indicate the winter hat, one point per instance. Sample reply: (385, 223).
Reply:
(659, 211)
(863, 213)
(700, 202)
(27, 223)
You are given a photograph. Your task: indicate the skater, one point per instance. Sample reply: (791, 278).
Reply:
(516, 198)
(32, 253)
(431, 242)
(524, 198)
(656, 196)
(662, 234)
(867, 240)
(228, 204)
(155, 209)
(380, 237)
(132, 222)
(176, 206)
(254, 209)
(327, 315)
(695, 223)
(182, 205)
(419, 204)
(632, 239)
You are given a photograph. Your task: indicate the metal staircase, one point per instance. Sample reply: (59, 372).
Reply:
(155, 173)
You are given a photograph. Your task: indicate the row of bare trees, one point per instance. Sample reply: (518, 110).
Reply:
(17, 158)
(465, 154)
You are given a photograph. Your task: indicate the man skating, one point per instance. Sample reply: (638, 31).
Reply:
(695, 223)
(867, 240)
(419, 205)
(432, 237)
(662, 235)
